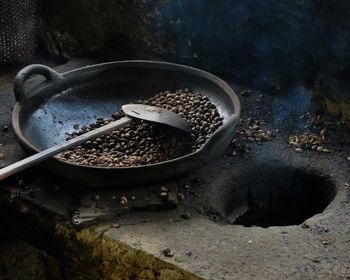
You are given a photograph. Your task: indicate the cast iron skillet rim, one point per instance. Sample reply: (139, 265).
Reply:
(150, 64)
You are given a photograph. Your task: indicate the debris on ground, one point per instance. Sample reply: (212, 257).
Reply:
(309, 141)
(186, 215)
(246, 92)
(167, 252)
(2, 156)
(250, 131)
(115, 225)
(189, 253)
(21, 183)
(326, 239)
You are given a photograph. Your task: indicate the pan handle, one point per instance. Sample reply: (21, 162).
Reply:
(50, 74)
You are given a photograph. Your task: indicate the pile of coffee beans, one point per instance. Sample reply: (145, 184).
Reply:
(142, 142)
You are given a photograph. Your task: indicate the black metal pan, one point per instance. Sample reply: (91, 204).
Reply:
(44, 114)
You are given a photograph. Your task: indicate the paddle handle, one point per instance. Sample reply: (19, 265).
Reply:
(43, 155)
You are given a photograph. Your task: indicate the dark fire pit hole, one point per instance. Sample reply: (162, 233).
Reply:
(285, 197)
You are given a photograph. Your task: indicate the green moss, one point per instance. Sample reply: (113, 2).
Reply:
(90, 256)
(334, 106)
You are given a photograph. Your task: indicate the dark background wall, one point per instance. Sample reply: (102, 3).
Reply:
(274, 42)
(264, 43)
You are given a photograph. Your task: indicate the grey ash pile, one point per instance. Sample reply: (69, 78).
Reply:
(143, 143)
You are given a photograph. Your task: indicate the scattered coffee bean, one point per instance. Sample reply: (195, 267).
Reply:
(123, 200)
(181, 196)
(163, 189)
(250, 132)
(309, 141)
(5, 128)
(163, 194)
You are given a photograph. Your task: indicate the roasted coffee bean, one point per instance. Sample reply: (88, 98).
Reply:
(145, 143)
